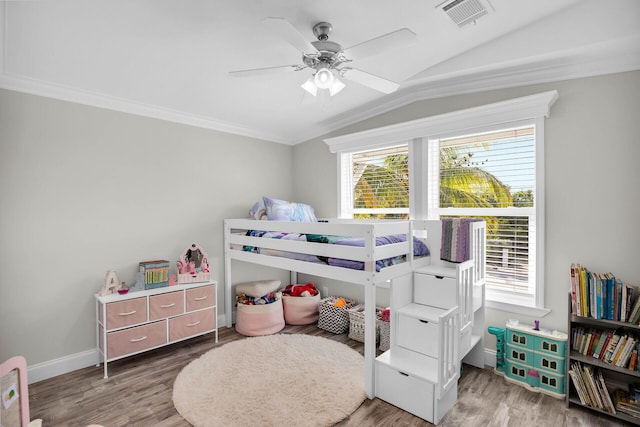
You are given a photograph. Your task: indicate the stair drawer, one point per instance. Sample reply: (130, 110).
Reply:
(405, 391)
(202, 297)
(166, 305)
(126, 313)
(436, 291)
(136, 339)
(418, 334)
(192, 324)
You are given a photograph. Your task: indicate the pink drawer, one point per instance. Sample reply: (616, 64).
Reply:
(192, 324)
(166, 305)
(136, 339)
(127, 312)
(201, 297)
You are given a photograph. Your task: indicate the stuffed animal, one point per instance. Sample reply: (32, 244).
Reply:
(307, 290)
(340, 302)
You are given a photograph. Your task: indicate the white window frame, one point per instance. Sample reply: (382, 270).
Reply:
(532, 109)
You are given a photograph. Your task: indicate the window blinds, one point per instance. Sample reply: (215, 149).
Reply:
(380, 182)
(495, 173)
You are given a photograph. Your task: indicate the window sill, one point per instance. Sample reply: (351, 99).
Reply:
(511, 303)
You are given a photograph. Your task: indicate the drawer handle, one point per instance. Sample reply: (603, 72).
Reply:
(194, 323)
(402, 373)
(439, 277)
(200, 298)
(128, 313)
(168, 305)
(423, 321)
(138, 339)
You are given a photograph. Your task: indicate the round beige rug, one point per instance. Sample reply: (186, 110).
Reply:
(275, 380)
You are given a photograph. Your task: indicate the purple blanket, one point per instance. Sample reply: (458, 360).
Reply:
(419, 249)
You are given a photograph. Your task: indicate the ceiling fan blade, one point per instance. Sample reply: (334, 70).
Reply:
(288, 32)
(395, 39)
(369, 80)
(264, 71)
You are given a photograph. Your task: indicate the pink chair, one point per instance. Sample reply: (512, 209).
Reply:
(20, 364)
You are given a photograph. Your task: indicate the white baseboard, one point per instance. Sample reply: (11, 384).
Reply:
(72, 362)
(63, 365)
(489, 357)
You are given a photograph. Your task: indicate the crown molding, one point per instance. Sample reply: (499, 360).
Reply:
(526, 107)
(64, 93)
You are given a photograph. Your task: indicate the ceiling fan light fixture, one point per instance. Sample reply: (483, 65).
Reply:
(336, 87)
(324, 78)
(310, 86)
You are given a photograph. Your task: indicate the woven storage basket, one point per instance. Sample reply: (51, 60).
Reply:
(300, 310)
(384, 331)
(334, 319)
(356, 322)
(262, 319)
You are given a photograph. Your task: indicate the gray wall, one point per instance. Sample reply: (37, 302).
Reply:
(592, 176)
(85, 190)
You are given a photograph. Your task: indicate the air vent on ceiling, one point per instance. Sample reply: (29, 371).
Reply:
(463, 12)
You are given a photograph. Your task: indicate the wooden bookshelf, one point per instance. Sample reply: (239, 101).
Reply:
(615, 376)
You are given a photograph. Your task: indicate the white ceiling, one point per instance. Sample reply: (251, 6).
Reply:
(170, 58)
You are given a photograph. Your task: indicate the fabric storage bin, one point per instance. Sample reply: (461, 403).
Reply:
(334, 319)
(300, 310)
(256, 320)
(356, 322)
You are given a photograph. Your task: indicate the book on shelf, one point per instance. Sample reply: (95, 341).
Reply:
(613, 343)
(612, 307)
(627, 401)
(610, 346)
(602, 296)
(635, 312)
(616, 352)
(633, 360)
(608, 402)
(575, 291)
(605, 336)
(591, 387)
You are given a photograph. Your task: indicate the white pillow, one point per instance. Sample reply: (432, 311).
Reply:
(257, 289)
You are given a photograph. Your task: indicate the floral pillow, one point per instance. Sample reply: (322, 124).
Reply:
(282, 210)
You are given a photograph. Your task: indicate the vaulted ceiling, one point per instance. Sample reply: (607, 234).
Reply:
(171, 59)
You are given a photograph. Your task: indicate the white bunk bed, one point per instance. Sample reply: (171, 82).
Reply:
(399, 277)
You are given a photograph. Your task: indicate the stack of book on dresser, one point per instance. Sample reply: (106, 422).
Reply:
(602, 296)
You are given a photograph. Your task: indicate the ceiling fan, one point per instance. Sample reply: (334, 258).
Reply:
(329, 60)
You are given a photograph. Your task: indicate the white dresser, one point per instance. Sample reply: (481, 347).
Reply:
(140, 321)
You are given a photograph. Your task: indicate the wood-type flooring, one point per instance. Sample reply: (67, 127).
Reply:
(138, 393)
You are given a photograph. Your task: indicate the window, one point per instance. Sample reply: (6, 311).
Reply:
(485, 161)
(492, 175)
(376, 183)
